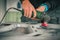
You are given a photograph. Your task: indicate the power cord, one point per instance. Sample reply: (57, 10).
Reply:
(7, 12)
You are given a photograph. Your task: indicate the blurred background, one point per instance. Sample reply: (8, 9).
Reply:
(14, 16)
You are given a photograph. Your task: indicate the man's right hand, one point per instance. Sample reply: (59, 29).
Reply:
(28, 9)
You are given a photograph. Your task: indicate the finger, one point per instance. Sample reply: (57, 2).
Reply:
(34, 13)
(30, 13)
(27, 13)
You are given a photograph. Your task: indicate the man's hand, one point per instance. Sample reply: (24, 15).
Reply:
(28, 9)
(41, 8)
